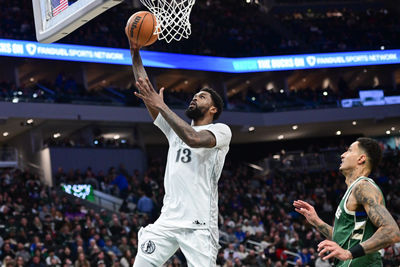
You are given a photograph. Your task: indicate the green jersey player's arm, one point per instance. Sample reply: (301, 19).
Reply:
(387, 232)
(312, 217)
(185, 132)
(140, 72)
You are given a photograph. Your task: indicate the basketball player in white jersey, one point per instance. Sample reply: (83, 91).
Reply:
(189, 216)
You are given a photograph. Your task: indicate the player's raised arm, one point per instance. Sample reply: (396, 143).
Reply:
(312, 217)
(388, 231)
(137, 38)
(140, 72)
(188, 135)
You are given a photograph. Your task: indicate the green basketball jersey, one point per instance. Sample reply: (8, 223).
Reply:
(352, 228)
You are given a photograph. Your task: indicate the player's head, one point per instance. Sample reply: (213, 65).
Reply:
(206, 102)
(365, 152)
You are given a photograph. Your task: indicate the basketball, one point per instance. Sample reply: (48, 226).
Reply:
(140, 28)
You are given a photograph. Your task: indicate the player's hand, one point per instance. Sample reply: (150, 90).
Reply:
(307, 211)
(334, 250)
(147, 93)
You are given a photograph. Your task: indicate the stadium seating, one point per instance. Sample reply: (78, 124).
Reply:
(257, 221)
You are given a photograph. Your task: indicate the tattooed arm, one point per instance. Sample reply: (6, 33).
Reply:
(188, 135)
(388, 232)
(311, 215)
(324, 229)
(140, 72)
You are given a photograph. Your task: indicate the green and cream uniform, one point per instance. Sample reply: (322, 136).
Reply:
(352, 228)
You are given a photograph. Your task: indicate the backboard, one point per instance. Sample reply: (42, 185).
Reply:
(54, 19)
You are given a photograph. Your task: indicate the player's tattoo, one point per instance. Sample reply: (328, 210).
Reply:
(388, 232)
(140, 72)
(325, 229)
(188, 135)
(138, 68)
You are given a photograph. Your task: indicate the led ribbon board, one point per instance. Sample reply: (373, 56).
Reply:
(104, 55)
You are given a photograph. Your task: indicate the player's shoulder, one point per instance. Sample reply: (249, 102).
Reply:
(366, 190)
(221, 126)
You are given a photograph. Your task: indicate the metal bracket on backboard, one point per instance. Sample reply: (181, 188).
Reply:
(49, 30)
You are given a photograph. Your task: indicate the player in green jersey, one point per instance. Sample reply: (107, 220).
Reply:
(362, 224)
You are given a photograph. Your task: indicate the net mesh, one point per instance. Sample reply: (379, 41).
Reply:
(172, 18)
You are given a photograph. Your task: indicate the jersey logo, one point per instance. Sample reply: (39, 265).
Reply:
(338, 213)
(148, 247)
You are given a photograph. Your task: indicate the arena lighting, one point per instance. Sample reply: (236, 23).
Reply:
(56, 135)
(252, 129)
(354, 123)
(393, 128)
(29, 121)
(116, 137)
(15, 100)
(387, 132)
(5, 134)
(295, 127)
(338, 132)
(105, 55)
(280, 137)
(325, 93)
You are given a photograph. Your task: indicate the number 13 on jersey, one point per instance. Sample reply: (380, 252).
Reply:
(184, 155)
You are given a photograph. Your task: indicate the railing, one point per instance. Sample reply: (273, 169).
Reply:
(8, 158)
(107, 201)
(293, 255)
(260, 246)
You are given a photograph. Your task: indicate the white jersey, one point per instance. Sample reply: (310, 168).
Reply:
(191, 179)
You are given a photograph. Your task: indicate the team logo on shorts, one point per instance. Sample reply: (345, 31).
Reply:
(148, 247)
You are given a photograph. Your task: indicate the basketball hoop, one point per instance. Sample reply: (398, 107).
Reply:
(172, 18)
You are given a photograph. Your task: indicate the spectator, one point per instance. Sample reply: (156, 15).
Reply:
(36, 262)
(110, 247)
(145, 204)
(22, 252)
(127, 259)
(52, 259)
(122, 183)
(82, 261)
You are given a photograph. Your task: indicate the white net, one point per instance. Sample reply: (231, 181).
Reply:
(172, 18)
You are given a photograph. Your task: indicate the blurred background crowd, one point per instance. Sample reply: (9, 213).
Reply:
(41, 226)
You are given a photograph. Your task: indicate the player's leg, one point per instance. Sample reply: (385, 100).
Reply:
(155, 246)
(198, 247)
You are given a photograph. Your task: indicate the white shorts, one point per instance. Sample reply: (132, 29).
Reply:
(157, 244)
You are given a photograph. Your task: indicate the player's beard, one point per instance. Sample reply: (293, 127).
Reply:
(195, 113)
